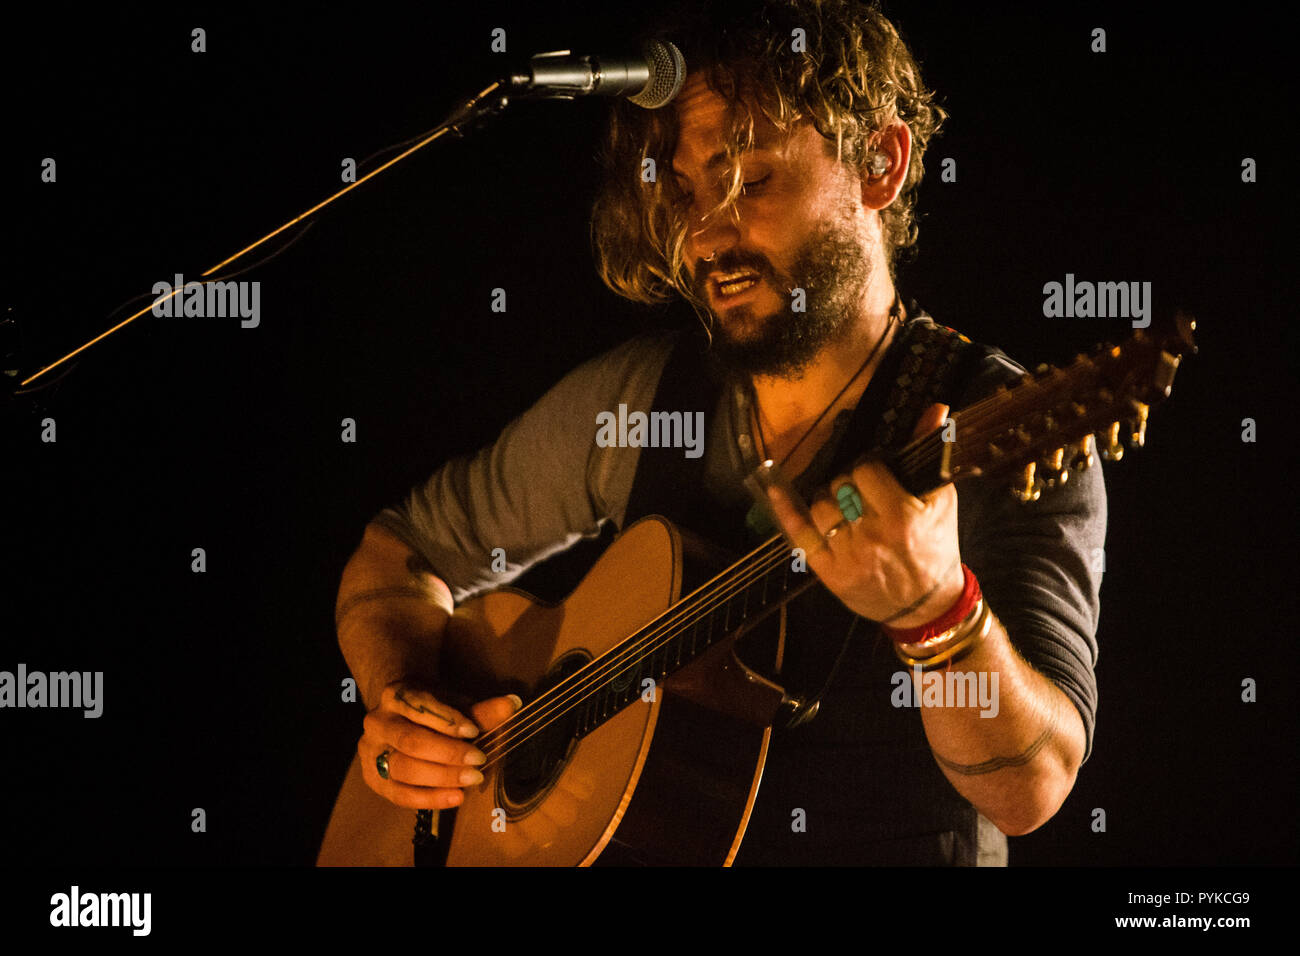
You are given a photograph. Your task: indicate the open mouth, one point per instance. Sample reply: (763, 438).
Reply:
(734, 283)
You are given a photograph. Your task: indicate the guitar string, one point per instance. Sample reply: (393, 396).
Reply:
(979, 414)
(583, 684)
(557, 707)
(974, 414)
(630, 652)
(923, 451)
(686, 612)
(580, 685)
(587, 681)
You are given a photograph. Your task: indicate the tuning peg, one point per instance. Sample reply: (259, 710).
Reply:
(1111, 449)
(1055, 463)
(1083, 457)
(1029, 487)
(1138, 426)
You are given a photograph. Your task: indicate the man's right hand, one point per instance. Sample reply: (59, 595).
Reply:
(428, 743)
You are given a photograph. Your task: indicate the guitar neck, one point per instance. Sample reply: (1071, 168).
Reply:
(733, 601)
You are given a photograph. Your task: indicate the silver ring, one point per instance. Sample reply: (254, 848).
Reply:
(381, 763)
(835, 528)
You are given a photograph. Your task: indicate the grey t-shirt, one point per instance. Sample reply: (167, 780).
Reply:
(546, 482)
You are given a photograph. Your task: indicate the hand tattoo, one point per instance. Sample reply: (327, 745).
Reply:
(420, 708)
(924, 597)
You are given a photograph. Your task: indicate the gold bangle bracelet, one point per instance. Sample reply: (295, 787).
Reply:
(941, 639)
(978, 631)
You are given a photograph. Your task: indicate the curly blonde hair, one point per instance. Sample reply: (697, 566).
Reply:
(852, 79)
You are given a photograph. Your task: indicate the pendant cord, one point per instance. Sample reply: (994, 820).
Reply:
(895, 314)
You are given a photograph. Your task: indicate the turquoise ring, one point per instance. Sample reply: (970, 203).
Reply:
(850, 502)
(381, 763)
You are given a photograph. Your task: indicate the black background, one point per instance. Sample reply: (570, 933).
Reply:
(222, 689)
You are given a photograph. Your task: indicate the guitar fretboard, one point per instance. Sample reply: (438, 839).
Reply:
(735, 600)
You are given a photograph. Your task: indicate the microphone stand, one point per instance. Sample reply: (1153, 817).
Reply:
(466, 116)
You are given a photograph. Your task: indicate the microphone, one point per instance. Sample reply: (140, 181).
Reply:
(650, 80)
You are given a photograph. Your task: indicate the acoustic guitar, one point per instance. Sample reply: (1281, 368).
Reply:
(643, 734)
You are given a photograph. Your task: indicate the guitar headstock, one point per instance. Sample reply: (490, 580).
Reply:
(1051, 422)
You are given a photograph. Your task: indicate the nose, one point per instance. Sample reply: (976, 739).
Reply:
(712, 235)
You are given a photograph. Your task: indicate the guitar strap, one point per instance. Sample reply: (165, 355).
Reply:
(934, 365)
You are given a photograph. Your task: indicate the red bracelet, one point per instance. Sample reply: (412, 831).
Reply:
(970, 595)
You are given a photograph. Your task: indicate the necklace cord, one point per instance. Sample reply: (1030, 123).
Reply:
(894, 315)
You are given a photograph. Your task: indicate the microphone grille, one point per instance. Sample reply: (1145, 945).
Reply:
(667, 74)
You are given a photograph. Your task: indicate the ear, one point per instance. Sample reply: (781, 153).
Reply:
(896, 144)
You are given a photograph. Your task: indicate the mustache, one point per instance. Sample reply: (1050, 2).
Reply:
(730, 262)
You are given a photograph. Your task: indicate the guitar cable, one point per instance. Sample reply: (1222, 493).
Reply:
(808, 709)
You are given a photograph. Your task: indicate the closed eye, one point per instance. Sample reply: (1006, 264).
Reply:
(687, 197)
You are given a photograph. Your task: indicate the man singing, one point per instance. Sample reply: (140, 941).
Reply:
(782, 182)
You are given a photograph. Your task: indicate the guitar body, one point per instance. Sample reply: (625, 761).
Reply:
(668, 779)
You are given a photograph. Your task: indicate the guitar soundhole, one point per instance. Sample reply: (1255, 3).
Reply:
(532, 768)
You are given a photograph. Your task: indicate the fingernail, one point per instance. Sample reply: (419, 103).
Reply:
(467, 730)
(475, 758)
(470, 777)
(516, 700)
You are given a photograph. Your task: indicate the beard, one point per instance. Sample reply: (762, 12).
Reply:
(832, 268)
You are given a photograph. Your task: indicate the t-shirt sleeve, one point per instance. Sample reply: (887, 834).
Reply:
(1039, 563)
(542, 485)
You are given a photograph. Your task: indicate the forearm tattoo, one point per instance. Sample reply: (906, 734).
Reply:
(420, 708)
(377, 594)
(997, 763)
(416, 564)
